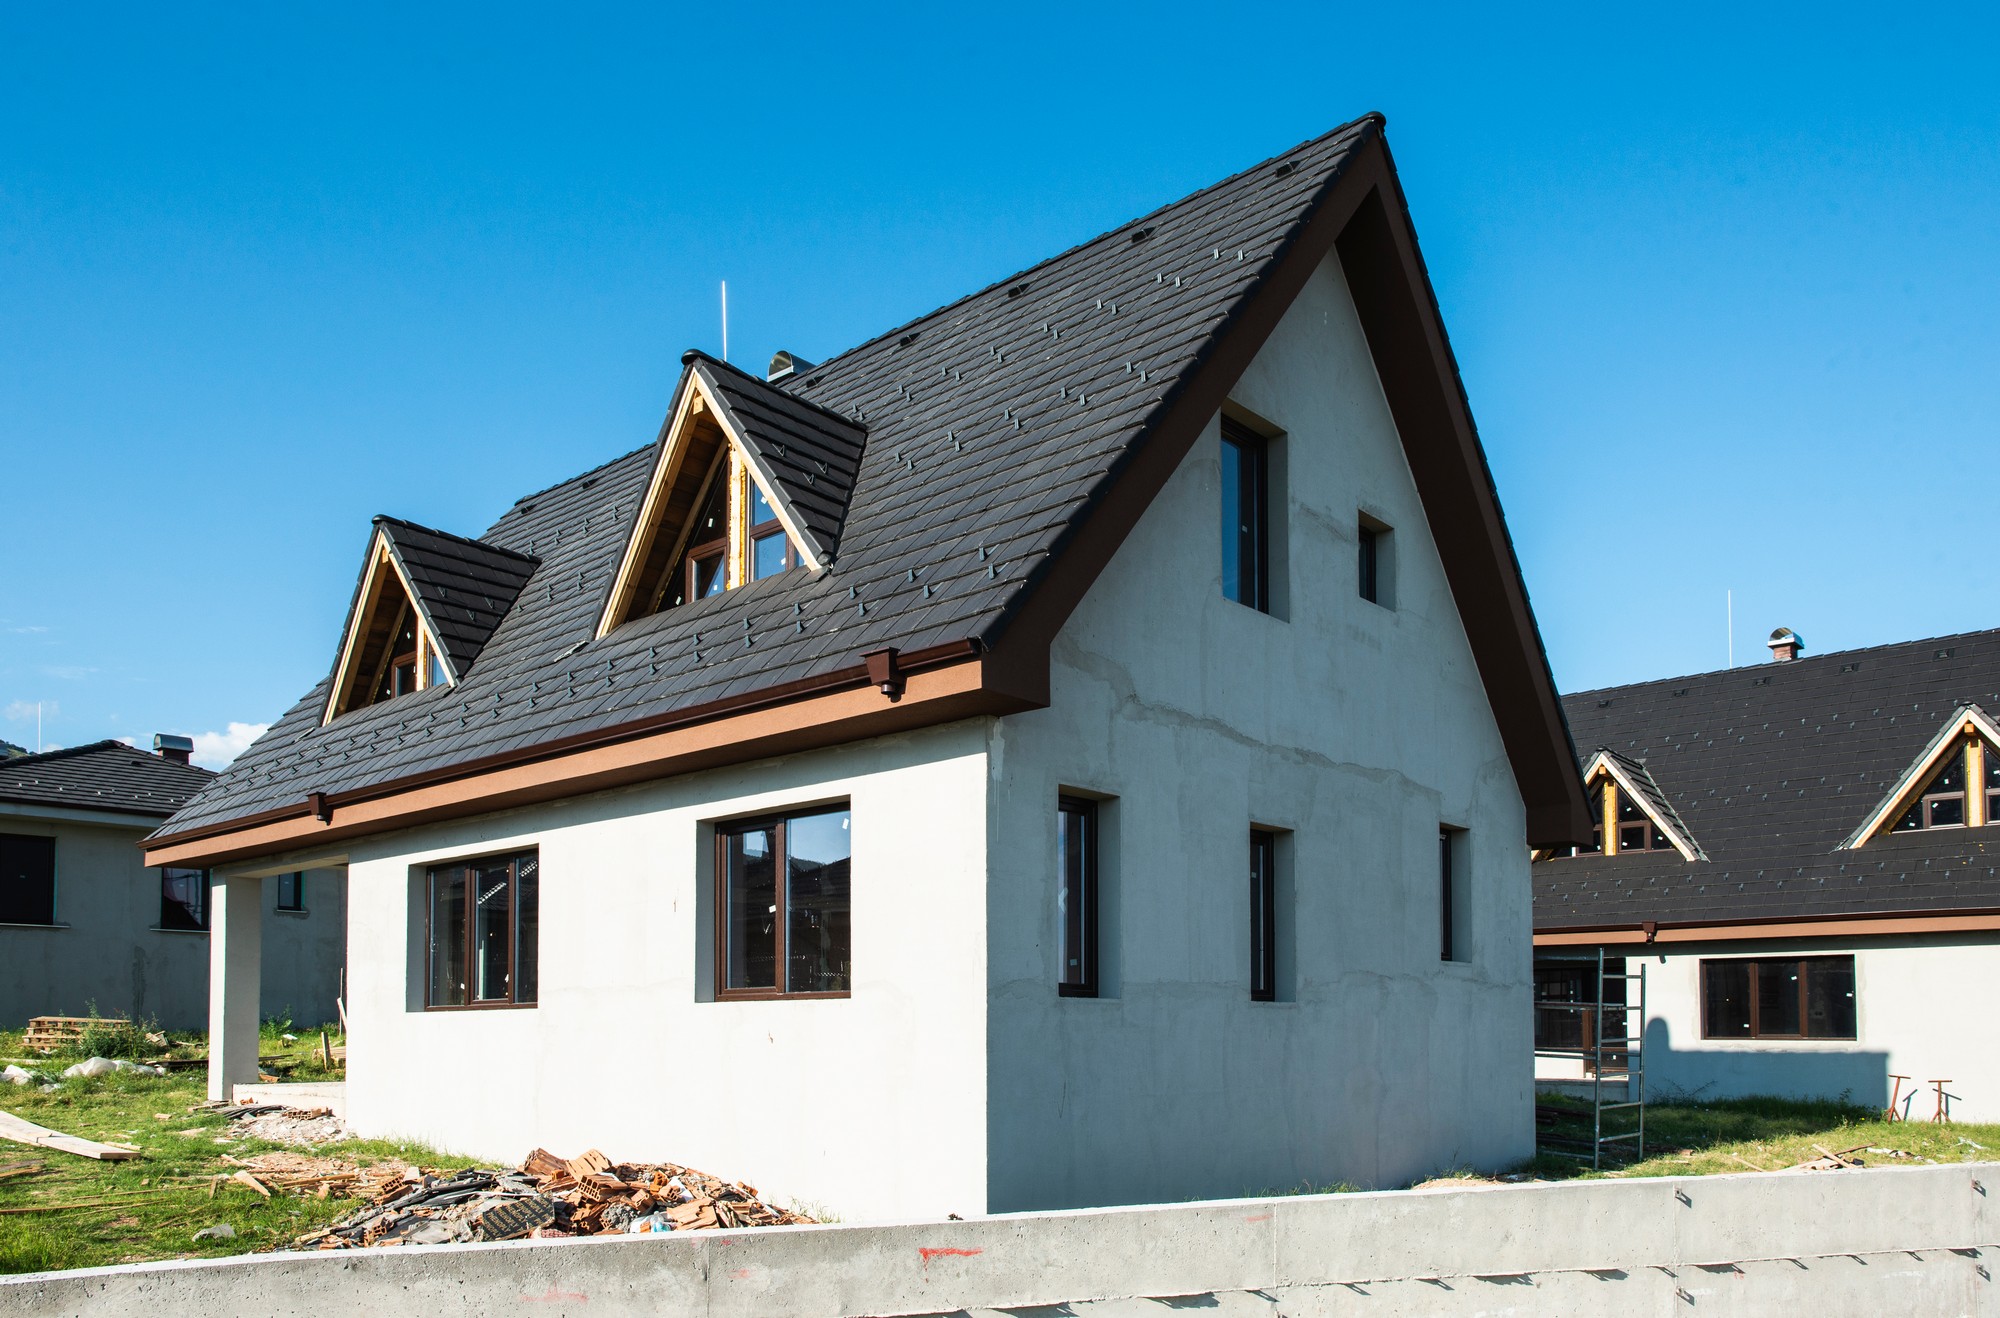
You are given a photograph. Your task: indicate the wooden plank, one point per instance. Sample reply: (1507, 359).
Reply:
(27, 1132)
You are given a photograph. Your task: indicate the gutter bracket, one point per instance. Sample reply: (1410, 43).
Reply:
(316, 802)
(884, 673)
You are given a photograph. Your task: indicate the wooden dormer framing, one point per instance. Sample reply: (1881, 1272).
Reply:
(1970, 732)
(383, 605)
(700, 443)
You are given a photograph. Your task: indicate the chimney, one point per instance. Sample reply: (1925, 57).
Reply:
(785, 364)
(169, 747)
(1785, 645)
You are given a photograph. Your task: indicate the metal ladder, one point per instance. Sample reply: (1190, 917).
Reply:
(1632, 1047)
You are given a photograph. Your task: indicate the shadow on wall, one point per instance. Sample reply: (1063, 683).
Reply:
(1782, 1070)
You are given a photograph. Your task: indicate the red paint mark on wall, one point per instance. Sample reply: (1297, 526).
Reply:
(742, 1274)
(930, 1254)
(1260, 1217)
(557, 1297)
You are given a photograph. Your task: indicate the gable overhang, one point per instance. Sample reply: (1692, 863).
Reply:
(1604, 762)
(1966, 721)
(382, 557)
(1360, 216)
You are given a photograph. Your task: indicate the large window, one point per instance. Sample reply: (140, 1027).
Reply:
(27, 879)
(783, 906)
(485, 919)
(1076, 896)
(1263, 915)
(1566, 1009)
(1778, 998)
(183, 899)
(1246, 538)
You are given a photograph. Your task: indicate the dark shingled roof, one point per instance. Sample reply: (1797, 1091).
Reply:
(105, 775)
(463, 587)
(1772, 767)
(807, 455)
(990, 425)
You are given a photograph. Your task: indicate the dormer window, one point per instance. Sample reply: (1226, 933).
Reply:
(388, 650)
(1628, 812)
(1942, 804)
(1954, 783)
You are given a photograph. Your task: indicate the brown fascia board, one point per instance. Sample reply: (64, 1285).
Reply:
(941, 686)
(1361, 214)
(1866, 924)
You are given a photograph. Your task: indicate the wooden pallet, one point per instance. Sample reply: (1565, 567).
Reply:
(46, 1034)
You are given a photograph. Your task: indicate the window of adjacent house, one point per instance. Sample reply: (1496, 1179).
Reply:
(1076, 896)
(1246, 539)
(27, 879)
(292, 892)
(784, 906)
(1376, 570)
(183, 899)
(1567, 1008)
(1992, 776)
(1263, 915)
(1778, 998)
(1635, 829)
(1941, 804)
(485, 931)
(1453, 907)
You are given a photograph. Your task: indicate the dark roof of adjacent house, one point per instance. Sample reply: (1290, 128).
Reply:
(1772, 768)
(964, 453)
(463, 587)
(104, 775)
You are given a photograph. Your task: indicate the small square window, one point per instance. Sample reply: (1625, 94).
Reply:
(292, 892)
(485, 932)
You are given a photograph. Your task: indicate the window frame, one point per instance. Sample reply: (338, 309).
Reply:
(472, 864)
(1755, 966)
(1079, 897)
(297, 905)
(1256, 452)
(55, 882)
(781, 852)
(1263, 915)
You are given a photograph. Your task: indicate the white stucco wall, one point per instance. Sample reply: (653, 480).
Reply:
(869, 1107)
(108, 952)
(1358, 727)
(1922, 1010)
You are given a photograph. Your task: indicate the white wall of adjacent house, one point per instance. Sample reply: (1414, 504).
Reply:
(1357, 728)
(1921, 1010)
(871, 1106)
(107, 952)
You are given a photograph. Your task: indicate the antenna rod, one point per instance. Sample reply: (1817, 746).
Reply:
(725, 320)
(1730, 596)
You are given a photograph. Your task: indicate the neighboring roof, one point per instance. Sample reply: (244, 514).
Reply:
(8, 750)
(1637, 780)
(806, 455)
(1772, 767)
(104, 775)
(1012, 439)
(462, 587)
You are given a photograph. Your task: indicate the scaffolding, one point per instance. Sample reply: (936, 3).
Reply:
(1611, 1046)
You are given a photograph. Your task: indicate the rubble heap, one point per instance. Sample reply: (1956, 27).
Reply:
(546, 1197)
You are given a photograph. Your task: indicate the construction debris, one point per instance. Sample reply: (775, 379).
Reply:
(101, 1066)
(27, 1132)
(285, 1125)
(48, 1034)
(547, 1196)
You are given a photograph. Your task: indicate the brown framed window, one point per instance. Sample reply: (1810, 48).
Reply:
(484, 932)
(1566, 1008)
(704, 566)
(1263, 915)
(27, 879)
(1992, 785)
(183, 899)
(1942, 802)
(1778, 998)
(783, 905)
(771, 549)
(1076, 896)
(292, 892)
(1246, 537)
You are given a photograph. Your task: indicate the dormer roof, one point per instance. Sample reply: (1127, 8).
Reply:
(462, 588)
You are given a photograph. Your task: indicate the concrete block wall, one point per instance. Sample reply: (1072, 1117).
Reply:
(1915, 1241)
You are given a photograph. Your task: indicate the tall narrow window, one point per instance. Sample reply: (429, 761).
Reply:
(1246, 540)
(784, 903)
(704, 566)
(485, 932)
(1454, 895)
(1447, 945)
(1263, 916)
(183, 899)
(27, 879)
(1076, 898)
(1370, 563)
(771, 549)
(292, 892)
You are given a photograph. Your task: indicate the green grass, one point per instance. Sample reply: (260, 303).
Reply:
(1746, 1134)
(155, 1214)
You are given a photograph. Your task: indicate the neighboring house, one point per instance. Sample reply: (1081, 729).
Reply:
(1074, 748)
(84, 924)
(1802, 855)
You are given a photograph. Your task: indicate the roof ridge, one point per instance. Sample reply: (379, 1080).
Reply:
(63, 752)
(475, 542)
(1374, 118)
(1814, 659)
(688, 358)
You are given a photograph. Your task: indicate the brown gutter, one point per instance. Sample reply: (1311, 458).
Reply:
(940, 685)
(1807, 926)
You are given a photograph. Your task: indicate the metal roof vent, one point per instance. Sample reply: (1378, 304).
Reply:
(170, 747)
(784, 364)
(1785, 645)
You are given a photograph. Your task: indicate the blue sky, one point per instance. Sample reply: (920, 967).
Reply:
(1723, 284)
